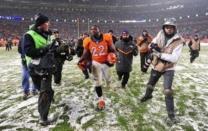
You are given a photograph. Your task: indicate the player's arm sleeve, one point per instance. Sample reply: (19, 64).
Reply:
(86, 44)
(86, 51)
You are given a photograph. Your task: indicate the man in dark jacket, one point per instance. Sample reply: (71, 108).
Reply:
(37, 52)
(61, 54)
(126, 50)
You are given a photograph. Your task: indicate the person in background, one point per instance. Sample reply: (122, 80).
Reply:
(143, 42)
(194, 46)
(25, 73)
(113, 36)
(126, 49)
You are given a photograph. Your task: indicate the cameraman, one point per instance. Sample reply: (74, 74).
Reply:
(170, 44)
(36, 48)
(62, 53)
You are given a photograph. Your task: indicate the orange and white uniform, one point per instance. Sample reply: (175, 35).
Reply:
(99, 51)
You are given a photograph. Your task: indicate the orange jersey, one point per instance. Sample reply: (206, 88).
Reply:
(99, 51)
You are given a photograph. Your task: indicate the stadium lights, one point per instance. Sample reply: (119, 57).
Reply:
(206, 13)
(132, 21)
(180, 17)
(188, 16)
(197, 15)
(64, 20)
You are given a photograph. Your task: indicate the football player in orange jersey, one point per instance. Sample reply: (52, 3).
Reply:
(97, 47)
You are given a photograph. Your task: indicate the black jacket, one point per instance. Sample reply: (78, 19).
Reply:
(20, 47)
(125, 50)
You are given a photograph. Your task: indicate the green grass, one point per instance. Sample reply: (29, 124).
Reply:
(181, 104)
(188, 128)
(24, 129)
(93, 121)
(130, 115)
(89, 123)
(123, 122)
(64, 126)
(6, 127)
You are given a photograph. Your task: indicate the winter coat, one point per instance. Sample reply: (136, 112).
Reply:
(194, 45)
(143, 43)
(125, 53)
(170, 51)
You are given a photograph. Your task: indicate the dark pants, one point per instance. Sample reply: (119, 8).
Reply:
(167, 84)
(7, 48)
(10, 46)
(58, 72)
(124, 76)
(43, 84)
(143, 59)
(194, 54)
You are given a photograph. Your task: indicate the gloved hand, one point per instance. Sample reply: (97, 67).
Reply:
(155, 46)
(135, 50)
(156, 53)
(81, 64)
(69, 57)
(108, 64)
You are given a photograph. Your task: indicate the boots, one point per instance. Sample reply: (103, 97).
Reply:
(26, 96)
(147, 96)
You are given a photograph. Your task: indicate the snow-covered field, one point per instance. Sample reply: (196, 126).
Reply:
(75, 100)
